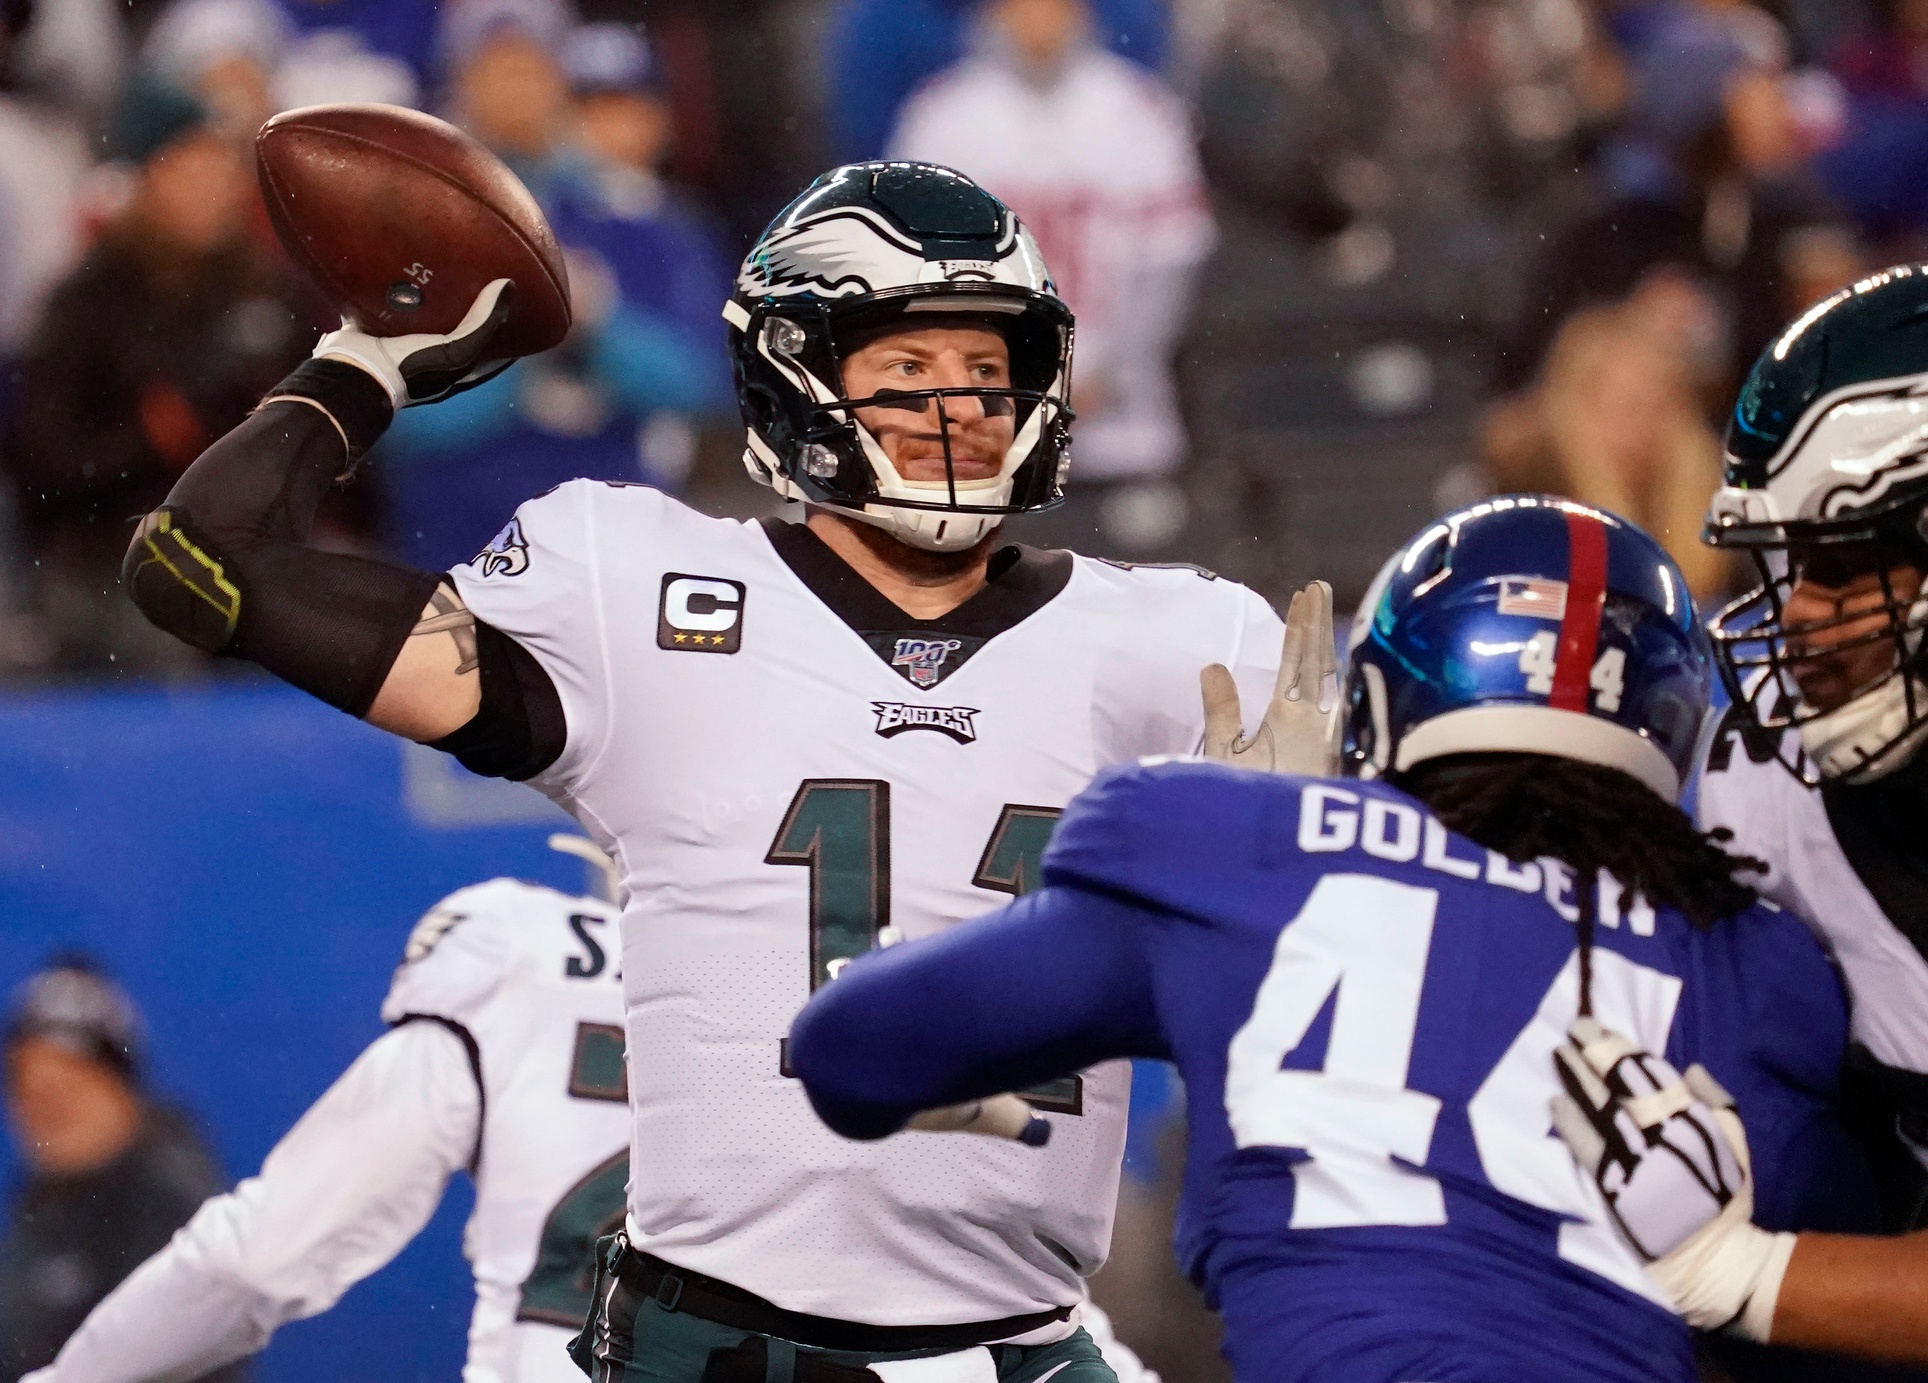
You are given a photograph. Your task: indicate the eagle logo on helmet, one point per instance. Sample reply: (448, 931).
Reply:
(852, 251)
(823, 257)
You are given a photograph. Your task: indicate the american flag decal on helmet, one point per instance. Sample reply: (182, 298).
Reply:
(1533, 597)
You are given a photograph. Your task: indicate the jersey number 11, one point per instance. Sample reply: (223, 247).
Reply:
(839, 829)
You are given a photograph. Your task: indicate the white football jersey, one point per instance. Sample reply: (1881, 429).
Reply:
(1783, 822)
(781, 763)
(530, 979)
(505, 1056)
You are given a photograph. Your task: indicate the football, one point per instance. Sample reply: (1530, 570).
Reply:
(400, 219)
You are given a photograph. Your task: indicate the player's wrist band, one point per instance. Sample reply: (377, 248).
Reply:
(353, 400)
(1756, 1321)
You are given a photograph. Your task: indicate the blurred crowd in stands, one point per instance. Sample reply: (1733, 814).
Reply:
(1337, 263)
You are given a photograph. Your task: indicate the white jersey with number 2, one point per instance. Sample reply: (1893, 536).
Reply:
(781, 763)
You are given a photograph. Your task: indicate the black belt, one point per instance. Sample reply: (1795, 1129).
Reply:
(678, 1289)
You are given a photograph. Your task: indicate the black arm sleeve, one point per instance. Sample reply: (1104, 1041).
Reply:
(225, 565)
(519, 730)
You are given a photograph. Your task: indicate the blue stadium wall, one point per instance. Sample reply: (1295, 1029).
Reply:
(248, 862)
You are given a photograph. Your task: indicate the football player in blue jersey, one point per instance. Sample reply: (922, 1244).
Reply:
(1362, 982)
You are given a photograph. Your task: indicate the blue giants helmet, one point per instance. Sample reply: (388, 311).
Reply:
(1528, 624)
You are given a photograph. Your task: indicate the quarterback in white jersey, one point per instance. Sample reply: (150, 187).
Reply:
(505, 1057)
(787, 737)
(817, 767)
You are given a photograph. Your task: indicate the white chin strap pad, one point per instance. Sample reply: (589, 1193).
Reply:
(929, 529)
(1841, 742)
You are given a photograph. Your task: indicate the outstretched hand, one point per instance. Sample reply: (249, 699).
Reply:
(1296, 736)
(1669, 1154)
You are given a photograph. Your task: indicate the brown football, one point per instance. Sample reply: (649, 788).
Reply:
(401, 219)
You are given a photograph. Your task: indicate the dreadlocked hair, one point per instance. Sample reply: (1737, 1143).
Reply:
(1594, 819)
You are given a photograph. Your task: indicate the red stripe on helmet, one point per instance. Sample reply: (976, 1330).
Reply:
(1580, 627)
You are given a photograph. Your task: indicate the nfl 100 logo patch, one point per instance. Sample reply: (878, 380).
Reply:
(922, 660)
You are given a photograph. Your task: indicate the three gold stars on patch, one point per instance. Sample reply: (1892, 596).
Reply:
(700, 639)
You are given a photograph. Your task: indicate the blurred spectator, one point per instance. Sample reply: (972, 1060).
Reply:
(1096, 157)
(646, 275)
(623, 119)
(247, 59)
(109, 1174)
(403, 31)
(1879, 169)
(666, 254)
(224, 52)
(880, 50)
(71, 56)
(506, 86)
(1708, 176)
(1382, 174)
(1619, 420)
(1644, 314)
(43, 159)
(165, 337)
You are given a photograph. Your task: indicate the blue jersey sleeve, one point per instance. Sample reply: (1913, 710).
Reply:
(1050, 985)
(1142, 831)
(1764, 1010)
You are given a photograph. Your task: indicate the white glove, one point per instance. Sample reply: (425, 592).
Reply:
(425, 368)
(999, 1116)
(1295, 736)
(1669, 1154)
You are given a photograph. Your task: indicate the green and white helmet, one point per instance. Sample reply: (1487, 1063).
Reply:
(866, 244)
(1827, 462)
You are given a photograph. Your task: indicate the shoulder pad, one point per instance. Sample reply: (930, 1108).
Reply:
(1192, 602)
(548, 531)
(471, 943)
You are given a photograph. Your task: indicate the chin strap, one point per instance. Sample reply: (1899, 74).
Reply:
(929, 529)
